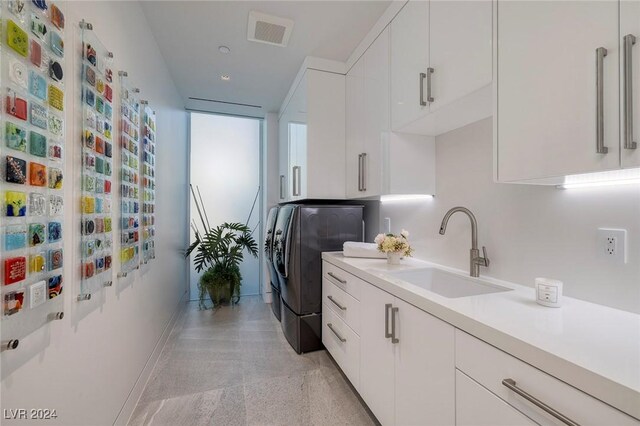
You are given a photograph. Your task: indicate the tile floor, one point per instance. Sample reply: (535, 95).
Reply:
(233, 366)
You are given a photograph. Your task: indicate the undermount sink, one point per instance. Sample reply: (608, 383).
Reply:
(447, 284)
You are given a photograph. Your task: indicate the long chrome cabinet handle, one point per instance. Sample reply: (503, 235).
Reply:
(387, 308)
(511, 385)
(342, 339)
(629, 41)
(334, 276)
(364, 171)
(422, 77)
(394, 311)
(299, 180)
(430, 72)
(282, 187)
(293, 181)
(296, 181)
(344, 308)
(359, 172)
(601, 52)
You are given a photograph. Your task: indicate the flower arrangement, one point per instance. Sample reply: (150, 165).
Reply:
(390, 243)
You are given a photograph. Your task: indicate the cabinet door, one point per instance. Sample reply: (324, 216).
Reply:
(409, 58)
(546, 105)
(293, 160)
(297, 159)
(354, 127)
(376, 106)
(476, 406)
(283, 159)
(459, 48)
(424, 368)
(376, 354)
(630, 25)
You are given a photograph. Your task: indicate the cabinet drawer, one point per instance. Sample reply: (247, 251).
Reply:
(342, 343)
(341, 278)
(342, 304)
(489, 366)
(476, 406)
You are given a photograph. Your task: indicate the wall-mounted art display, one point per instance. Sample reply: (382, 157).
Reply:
(96, 226)
(32, 133)
(129, 176)
(148, 184)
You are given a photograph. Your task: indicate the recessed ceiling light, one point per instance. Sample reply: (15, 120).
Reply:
(225, 77)
(224, 49)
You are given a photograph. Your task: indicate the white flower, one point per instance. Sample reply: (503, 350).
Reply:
(379, 239)
(405, 233)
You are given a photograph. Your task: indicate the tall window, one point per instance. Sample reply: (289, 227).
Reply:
(225, 166)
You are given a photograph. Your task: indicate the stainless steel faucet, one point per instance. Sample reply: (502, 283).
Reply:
(475, 260)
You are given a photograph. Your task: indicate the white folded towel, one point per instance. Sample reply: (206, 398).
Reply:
(356, 249)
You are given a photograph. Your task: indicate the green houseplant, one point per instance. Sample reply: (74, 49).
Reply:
(219, 252)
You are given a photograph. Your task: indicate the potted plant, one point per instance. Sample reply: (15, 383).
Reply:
(219, 252)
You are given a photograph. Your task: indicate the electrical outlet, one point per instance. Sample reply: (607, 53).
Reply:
(612, 244)
(387, 225)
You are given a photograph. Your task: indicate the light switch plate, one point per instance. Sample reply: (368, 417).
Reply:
(612, 245)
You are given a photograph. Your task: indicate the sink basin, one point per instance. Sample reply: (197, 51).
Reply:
(447, 284)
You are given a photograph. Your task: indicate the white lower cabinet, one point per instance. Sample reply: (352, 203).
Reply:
(412, 368)
(490, 367)
(399, 358)
(406, 361)
(476, 406)
(342, 343)
(377, 354)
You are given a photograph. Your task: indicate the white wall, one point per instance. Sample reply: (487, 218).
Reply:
(529, 231)
(86, 365)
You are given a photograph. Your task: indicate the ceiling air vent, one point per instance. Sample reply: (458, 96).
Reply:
(269, 29)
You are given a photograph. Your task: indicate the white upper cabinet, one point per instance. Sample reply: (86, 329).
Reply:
(441, 65)
(557, 98)
(283, 159)
(355, 123)
(312, 123)
(379, 161)
(630, 82)
(297, 137)
(368, 119)
(460, 49)
(409, 63)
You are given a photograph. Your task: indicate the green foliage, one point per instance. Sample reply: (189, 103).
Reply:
(219, 251)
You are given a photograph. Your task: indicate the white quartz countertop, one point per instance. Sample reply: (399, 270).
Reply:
(592, 347)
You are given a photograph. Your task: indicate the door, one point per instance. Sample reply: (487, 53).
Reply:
(459, 49)
(377, 111)
(424, 368)
(409, 59)
(630, 30)
(547, 88)
(376, 353)
(354, 128)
